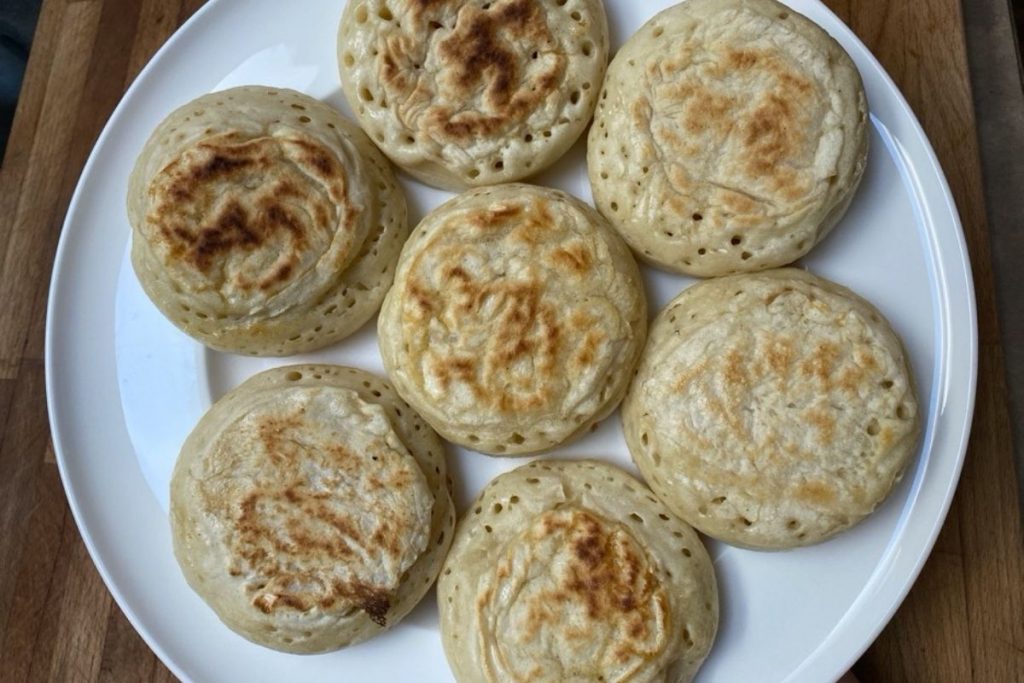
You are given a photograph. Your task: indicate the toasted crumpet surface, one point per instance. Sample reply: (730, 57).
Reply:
(574, 571)
(515, 321)
(310, 508)
(464, 93)
(730, 136)
(264, 222)
(772, 409)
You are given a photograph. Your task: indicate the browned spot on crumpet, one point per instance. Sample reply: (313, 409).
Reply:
(780, 356)
(290, 531)
(341, 524)
(463, 369)
(229, 230)
(535, 224)
(864, 371)
(735, 369)
(316, 157)
(374, 602)
(851, 377)
(588, 547)
(819, 364)
(386, 538)
(867, 359)
(285, 188)
(737, 203)
(219, 165)
(479, 60)
(741, 59)
(457, 273)
(522, 327)
(706, 110)
(307, 543)
(552, 523)
(686, 377)
(576, 258)
(320, 537)
(511, 343)
(601, 576)
(887, 437)
(227, 197)
(823, 422)
(771, 138)
(420, 297)
(816, 492)
(606, 576)
(280, 275)
(586, 354)
(775, 130)
(272, 431)
(753, 104)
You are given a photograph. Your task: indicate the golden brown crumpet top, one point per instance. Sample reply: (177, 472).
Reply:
(264, 222)
(730, 136)
(573, 571)
(309, 510)
(773, 409)
(516, 318)
(463, 93)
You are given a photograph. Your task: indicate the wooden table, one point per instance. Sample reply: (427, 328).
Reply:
(963, 620)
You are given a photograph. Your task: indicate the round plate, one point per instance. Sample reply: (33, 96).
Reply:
(125, 387)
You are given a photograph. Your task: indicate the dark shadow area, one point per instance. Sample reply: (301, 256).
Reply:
(17, 25)
(993, 51)
(1018, 16)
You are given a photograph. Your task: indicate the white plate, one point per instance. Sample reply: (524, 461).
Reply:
(125, 387)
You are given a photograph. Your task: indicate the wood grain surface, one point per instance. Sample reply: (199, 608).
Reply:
(963, 620)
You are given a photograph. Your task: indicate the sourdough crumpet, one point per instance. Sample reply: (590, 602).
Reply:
(573, 572)
(264, 222)
(463, 93)
(730, 136)
(773, 409)
(516, 318)
(310, 508)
